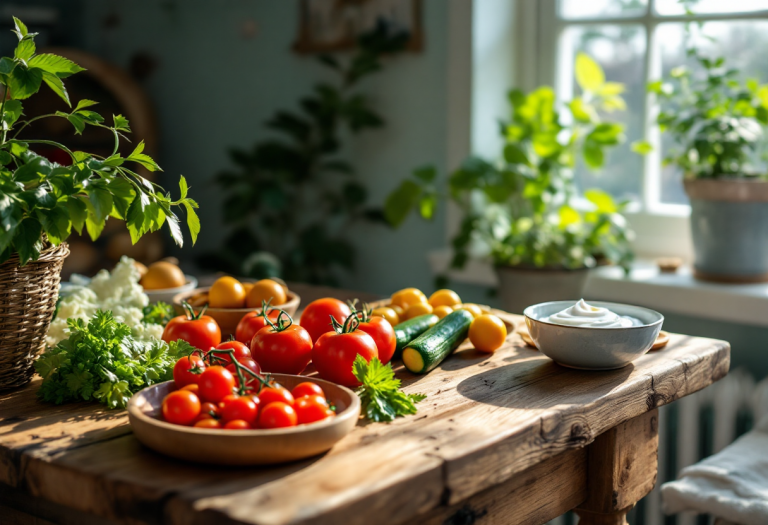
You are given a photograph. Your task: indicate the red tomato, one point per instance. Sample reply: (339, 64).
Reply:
(201, 331)
(216, 383)
(208, 423)
(248, 363)
(275, 393)
(251, 323)
(307, 388)
(181, 407)
(237, 424)
(245, 408)
(383, 335)
(335, 352)
(285, 351)
(192, 387)
(310, 409)
(316, 318)
(277, 415)
(181, 371)
(209, 409)
(239, 350)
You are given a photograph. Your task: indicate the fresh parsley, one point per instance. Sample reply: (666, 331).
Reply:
(380, 391)
(158, 313)
(102, 361)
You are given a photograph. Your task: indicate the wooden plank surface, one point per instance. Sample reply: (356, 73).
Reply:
(486, 418)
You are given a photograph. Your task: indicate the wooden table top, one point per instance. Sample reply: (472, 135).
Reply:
(486, 418)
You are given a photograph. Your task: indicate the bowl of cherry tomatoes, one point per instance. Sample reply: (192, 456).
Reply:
(295, 417)
(228, 300)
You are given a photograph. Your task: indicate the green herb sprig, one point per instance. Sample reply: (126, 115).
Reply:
(158, 313)
(380, 391)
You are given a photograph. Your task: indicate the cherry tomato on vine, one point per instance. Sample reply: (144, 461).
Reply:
(277, 415)
(282, 347)
(275, 393)
(239, 350)
(237, 424)
(307, 388)
(335, 352)
(245, 408)
(248, 363)
(182, 374)
(251, 323)
(316, 318)
(181, 407)
(381, 331)
(201, 331)
(310, 409)
(216, 383)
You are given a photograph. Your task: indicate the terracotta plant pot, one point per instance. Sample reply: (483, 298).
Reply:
(729, 226)
(520, 288)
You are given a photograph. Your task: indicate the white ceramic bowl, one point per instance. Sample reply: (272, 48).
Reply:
(593, 348)
(167, 294)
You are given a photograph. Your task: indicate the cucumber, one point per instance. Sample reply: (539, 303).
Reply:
(429, 349)
(411, 329)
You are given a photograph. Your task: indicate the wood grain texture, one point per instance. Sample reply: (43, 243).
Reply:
(487, 419)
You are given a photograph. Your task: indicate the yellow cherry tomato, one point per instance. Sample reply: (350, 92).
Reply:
(408, 297)
(487, 333)
(247, 287)
(444, 298)
(387, 313)
(417, 310)
(398, 310)
(442, 310)
(226, 292)
(266, 290)
(471, 308)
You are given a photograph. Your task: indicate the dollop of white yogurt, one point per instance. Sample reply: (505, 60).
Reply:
(583, 314)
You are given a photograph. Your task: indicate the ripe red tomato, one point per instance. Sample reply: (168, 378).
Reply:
(383, 335)
(284, 350)
(251, 323)
(181, 371)
(237, 424)
(216, 383)
(248, 363)
(277, 415)
(245, 408)
(335, 352)
(316, 318)
(181, 407)
(310, 409)
(239, 350)
(208, 423)
(201, 331)
(307, 388)
(209, 409)
(275, 393)
(192, 387)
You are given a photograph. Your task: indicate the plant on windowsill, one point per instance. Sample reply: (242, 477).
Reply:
(42, 201)
(519, 211)
(716, 123)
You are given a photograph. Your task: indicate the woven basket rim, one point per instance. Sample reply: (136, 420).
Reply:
(51, 253)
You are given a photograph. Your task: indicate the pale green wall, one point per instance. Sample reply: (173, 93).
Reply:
(213, 89)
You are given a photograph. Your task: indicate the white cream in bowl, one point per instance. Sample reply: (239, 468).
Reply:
(586, 315)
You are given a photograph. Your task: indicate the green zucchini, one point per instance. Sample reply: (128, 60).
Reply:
(411, 329)
(429, 349)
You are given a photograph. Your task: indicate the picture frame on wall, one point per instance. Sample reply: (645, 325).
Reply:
(335, 25)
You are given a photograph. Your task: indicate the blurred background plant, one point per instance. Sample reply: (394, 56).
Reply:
(523, 210)
(304, 169)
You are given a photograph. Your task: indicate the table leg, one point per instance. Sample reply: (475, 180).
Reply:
(621, 469)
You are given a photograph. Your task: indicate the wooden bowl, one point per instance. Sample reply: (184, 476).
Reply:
(242, 447)
(227, 318)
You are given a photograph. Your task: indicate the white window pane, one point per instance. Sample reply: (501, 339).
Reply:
(620, 50)
(742, 43)
(674, 7)
(575, 9)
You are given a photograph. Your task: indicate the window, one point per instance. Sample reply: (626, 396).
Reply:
(636, 41)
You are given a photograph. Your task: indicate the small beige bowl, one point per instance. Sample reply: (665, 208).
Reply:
(166, 295)
(227, 318)
(242, 447)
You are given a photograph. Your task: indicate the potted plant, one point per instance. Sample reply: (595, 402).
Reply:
(520, 211)
(716, 123)
(41, 202)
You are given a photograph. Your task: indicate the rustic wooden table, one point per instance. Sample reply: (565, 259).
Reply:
(504, 438)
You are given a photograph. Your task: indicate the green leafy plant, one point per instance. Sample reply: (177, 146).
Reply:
(304, 169)
(100, 360)
(42, 201)
(716, 121)
(158, 313)
(380, 392)
(519, 210)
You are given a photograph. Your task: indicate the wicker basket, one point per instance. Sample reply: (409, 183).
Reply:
(27, 301)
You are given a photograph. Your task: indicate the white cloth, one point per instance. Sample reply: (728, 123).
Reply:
(732, 484)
